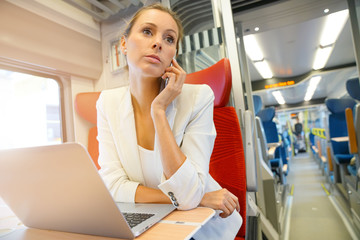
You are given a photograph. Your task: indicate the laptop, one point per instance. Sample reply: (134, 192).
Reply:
(58, 187)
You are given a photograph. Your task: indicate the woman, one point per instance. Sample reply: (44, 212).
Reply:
(155, 142)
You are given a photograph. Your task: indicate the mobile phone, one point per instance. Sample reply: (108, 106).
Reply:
(166, 80)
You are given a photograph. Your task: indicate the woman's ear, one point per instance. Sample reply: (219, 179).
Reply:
(123, 45)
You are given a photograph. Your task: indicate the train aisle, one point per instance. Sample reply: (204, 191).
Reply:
(313, 216)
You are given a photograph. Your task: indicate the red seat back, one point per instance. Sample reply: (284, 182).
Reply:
(85, 106)
(218, 77)
(227, 163)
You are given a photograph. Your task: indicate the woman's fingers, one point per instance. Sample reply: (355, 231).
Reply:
(176, 68)
(180, 75)
(229, 207)
(230, 203)
(235, 201)
(222, 200)
(225, 213)
(175, 63)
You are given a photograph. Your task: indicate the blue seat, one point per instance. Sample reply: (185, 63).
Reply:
(312, 141)
(283, 151)
(257, 104)
(337, 127)
(266, 115)
(286, 139)
(272, 136)
(353, 88)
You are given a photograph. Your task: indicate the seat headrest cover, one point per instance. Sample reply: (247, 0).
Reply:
(257, 103)
(267, 114)
(218, 77)
(353, 88)
(338, 105)
(85, 105)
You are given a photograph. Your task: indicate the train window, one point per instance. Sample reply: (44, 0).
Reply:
(200, 50)
(30, 112)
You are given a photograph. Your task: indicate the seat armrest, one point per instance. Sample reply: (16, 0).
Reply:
(271, 153)
(274, 144)
(271, 149)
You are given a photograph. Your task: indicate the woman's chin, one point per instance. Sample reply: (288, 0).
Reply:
(150, 71)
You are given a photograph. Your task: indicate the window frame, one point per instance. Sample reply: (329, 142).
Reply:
(37, 71)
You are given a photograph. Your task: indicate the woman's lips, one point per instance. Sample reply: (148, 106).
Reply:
(153, 58)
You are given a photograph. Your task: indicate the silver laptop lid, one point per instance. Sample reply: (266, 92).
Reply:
(58, 188)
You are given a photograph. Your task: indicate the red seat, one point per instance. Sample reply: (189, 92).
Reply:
(227, 163)
(218, 77)
(85, 106)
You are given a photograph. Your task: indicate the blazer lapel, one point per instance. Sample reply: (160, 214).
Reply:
(127, 141)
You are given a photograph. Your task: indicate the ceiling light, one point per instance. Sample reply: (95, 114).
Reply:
(326, 10)
(255, 54)
(252, 48)
(334, 24)
(256, 29)
(321, 57)
(264, 69)
(314, 82)
(278, 96)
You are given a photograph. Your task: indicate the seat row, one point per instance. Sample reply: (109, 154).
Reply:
(336, 147)
(273, 142)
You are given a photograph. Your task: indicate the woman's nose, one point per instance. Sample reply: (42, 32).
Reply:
(157, 45)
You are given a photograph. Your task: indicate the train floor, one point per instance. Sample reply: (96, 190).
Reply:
(313, 216)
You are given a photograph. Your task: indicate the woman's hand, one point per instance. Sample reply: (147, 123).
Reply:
(176, 77)
(221, 200)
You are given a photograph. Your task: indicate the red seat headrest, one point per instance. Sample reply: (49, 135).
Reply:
(85, 105)
(218, 77)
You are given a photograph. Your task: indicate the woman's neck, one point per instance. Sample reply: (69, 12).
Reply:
(143, 92)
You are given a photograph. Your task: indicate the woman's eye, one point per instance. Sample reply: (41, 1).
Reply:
(147, 31)
(170, 39)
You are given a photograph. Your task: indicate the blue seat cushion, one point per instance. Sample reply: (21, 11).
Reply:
(274, 162)
(271, 132)
(352, 169)
(283, 154)
(343, 158)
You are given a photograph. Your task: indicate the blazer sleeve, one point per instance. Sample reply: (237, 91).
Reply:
(112, 171)
(187, 186)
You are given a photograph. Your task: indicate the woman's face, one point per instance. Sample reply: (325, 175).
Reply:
(151, 44)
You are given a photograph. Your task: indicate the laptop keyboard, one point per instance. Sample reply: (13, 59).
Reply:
(134, 219)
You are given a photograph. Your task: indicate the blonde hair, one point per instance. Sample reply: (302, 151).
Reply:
(156, 6)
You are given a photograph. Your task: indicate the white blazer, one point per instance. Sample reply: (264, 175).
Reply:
(190, 117)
